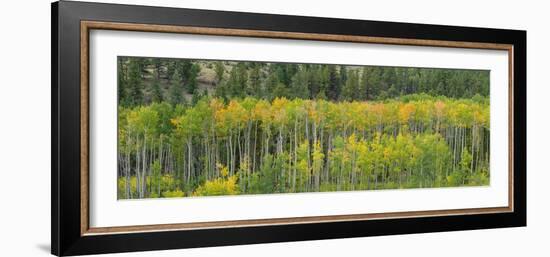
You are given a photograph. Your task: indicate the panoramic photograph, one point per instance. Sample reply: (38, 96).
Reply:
(191, 128)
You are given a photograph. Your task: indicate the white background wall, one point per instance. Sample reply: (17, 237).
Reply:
(25, 127)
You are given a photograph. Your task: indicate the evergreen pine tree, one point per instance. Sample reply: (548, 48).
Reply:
(135, 96)
(196, 97)
(176, 88)
(219, 69)
(334, 86)
(157, 92)
(300, 83)
(254, 81)
(343, 74)
(122, 87)
(350, 89)
(191, 82)
(363, 91)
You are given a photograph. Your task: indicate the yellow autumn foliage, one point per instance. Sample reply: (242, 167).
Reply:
(218, 186)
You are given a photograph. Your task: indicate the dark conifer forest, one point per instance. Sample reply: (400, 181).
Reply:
(204, 128)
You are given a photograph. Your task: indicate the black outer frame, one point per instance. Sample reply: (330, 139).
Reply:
(65, 165)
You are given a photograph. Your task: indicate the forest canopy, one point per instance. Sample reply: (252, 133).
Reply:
(200, 128)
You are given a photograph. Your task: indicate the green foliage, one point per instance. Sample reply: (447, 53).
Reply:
(166, 183)
(175, 193)
(284, 128)
(350, 90)
(191, 81)
(219, 68)
(300, 83)
(176, 88)
(272, 80)
(122, 78)
(255, 82)
(157, 95)
(334, 86)
(402, 143)
(134, 83)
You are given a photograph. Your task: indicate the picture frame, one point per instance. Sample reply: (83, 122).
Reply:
(72, 23)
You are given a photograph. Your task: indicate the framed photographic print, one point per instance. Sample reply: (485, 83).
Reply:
(177, 128)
